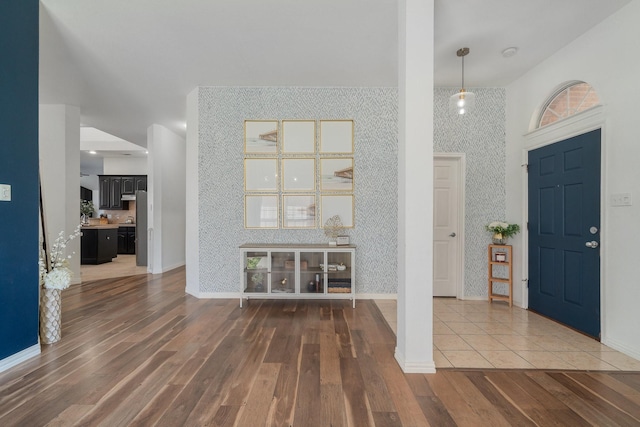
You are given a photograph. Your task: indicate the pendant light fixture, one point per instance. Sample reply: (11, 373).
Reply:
(463, 101)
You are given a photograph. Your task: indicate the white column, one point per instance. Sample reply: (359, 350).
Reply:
(414, 350)
(59, 150)
(166, 199)
(193, 216)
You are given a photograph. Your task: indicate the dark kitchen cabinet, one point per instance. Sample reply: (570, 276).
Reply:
(128, 185)
(127, 240)
(98, 245)
(116, 192)
(86, 194)
(113, 187)
(140, 183)
(110, 192)
(105, 192)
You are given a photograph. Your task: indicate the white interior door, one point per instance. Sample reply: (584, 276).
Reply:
(446, 232)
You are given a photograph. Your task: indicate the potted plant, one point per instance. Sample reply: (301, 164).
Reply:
(502, 231)
(86, 210)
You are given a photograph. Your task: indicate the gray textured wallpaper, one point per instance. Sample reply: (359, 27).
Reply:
(222, 114)
(479, 134)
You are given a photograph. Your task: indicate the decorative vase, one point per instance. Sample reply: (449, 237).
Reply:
(50, 316)
(499, 239)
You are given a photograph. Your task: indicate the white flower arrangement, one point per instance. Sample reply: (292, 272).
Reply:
(57, 275)
(503, 229)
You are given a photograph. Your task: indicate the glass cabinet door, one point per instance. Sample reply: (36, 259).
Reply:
(283, 272)
(311, 272)
(256, 276)
(338, 272)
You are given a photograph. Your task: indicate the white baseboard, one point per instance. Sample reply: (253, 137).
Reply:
(172, 267)
(15, 359)
(475, 298)
(377, 296)
(236, 295)
(623, 348)
(425, 367)
(217, 295)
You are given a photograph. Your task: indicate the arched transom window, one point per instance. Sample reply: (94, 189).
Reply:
(570, 100)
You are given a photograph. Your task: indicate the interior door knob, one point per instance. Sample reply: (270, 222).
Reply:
(592, 244)
(452, 234)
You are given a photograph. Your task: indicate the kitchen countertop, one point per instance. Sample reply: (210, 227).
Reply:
(99, 226)
(125, 225)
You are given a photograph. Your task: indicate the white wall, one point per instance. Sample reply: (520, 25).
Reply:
(166, 186)
(125, 166)
(59, 149)
(603, 57)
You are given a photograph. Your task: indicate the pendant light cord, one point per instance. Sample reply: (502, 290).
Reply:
(463, 72)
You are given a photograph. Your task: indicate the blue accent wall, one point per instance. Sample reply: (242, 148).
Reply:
(19, 168)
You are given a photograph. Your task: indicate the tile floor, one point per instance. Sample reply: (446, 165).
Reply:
(476, 334)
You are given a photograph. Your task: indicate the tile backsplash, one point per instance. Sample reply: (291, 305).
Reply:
(119, 216)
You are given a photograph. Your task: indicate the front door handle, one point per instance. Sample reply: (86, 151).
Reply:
(452, 234)
(592, 244)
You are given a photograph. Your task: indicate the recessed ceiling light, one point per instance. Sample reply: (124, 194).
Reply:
(509, 52)
(146, 152)
(92, 152)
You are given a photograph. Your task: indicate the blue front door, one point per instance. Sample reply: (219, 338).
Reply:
(564, 232)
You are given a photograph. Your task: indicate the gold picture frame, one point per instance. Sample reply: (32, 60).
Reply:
(261, 137)
(336, 174)
(260, 174)
(336, 137)
(299, 174)
(338, 204)
(298, 137)
(299, 211)
(261, 211)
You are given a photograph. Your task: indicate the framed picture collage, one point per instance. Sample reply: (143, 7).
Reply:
(295, 179)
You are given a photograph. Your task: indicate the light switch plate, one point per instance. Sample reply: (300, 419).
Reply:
(621, 199)
(5, 192)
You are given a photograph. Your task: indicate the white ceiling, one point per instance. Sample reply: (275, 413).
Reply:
(129, 64)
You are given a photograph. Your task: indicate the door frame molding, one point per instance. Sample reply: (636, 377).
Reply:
(578, 124)
(461, 159)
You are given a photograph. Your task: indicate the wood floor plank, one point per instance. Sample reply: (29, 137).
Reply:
(307, 413)
(260, 399)
(332, 404)
(377, 393)
(580, 407)
(487, 412)
(461, 410)
(595, 399)
(138, 351)
(404, 401)
(432, 407)
(498, 401)
(356, 400)
(344, 336)
(329, 359)
(605, 392)
(532, 400)
(121, 406)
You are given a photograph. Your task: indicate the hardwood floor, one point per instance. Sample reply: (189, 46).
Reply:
(137, 351)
